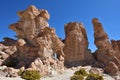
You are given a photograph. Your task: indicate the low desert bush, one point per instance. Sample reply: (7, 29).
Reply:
(81, 72)
(83, 75)
(31, 75)
(20, 72)
(93, 76)
(77, 77)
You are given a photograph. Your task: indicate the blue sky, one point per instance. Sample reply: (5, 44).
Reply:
(64, 11)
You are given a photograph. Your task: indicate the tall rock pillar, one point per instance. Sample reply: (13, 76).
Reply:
(105, 54)
(76, 45)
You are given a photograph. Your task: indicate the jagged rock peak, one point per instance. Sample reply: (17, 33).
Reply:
(75, 26)
(32, 21)
(95, 20)
(31, 12)
(101, 37)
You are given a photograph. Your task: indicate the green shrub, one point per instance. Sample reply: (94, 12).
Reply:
(81, 72)
(20, 72)
(93, 76)
(31, 75)
(77, 77)
(101, 78)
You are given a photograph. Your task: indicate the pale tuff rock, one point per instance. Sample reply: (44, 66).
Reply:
(31, 22)
(76, 45)
(21, 42)
(6, 51)
(8, 72)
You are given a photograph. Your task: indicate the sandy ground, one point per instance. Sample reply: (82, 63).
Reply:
(64, 76)
(7, 78)
(68, 73)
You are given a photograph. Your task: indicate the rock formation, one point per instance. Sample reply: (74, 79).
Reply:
(76, 45)
(105, 54)
(37, 46)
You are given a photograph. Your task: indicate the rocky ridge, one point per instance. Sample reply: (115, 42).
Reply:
(39, 48)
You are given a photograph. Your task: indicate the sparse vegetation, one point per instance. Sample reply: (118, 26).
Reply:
(81, 74)
(20, 72)
(93, 76)
(77, 77)
(31, 75)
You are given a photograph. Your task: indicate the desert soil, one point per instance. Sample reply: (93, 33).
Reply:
(64, 76)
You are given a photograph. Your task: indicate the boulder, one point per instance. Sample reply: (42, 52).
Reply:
(21, 42)
(38, 65)
(95, 70)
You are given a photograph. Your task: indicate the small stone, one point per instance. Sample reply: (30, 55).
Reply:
(21, 42)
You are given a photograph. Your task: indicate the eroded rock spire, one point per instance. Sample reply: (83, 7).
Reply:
(105, 52)
(76, 45)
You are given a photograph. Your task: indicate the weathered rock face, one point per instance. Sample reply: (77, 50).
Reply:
(105, 53)
(111, 68)
(116, 44)
(32, 21)
(6, 51)
(101, 38)
(37, 46)
(76, 45)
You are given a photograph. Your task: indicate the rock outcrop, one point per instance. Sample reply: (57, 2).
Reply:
(105, 54)
(76, 45)
(31, 22)
(6, 51)
(37, 46)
